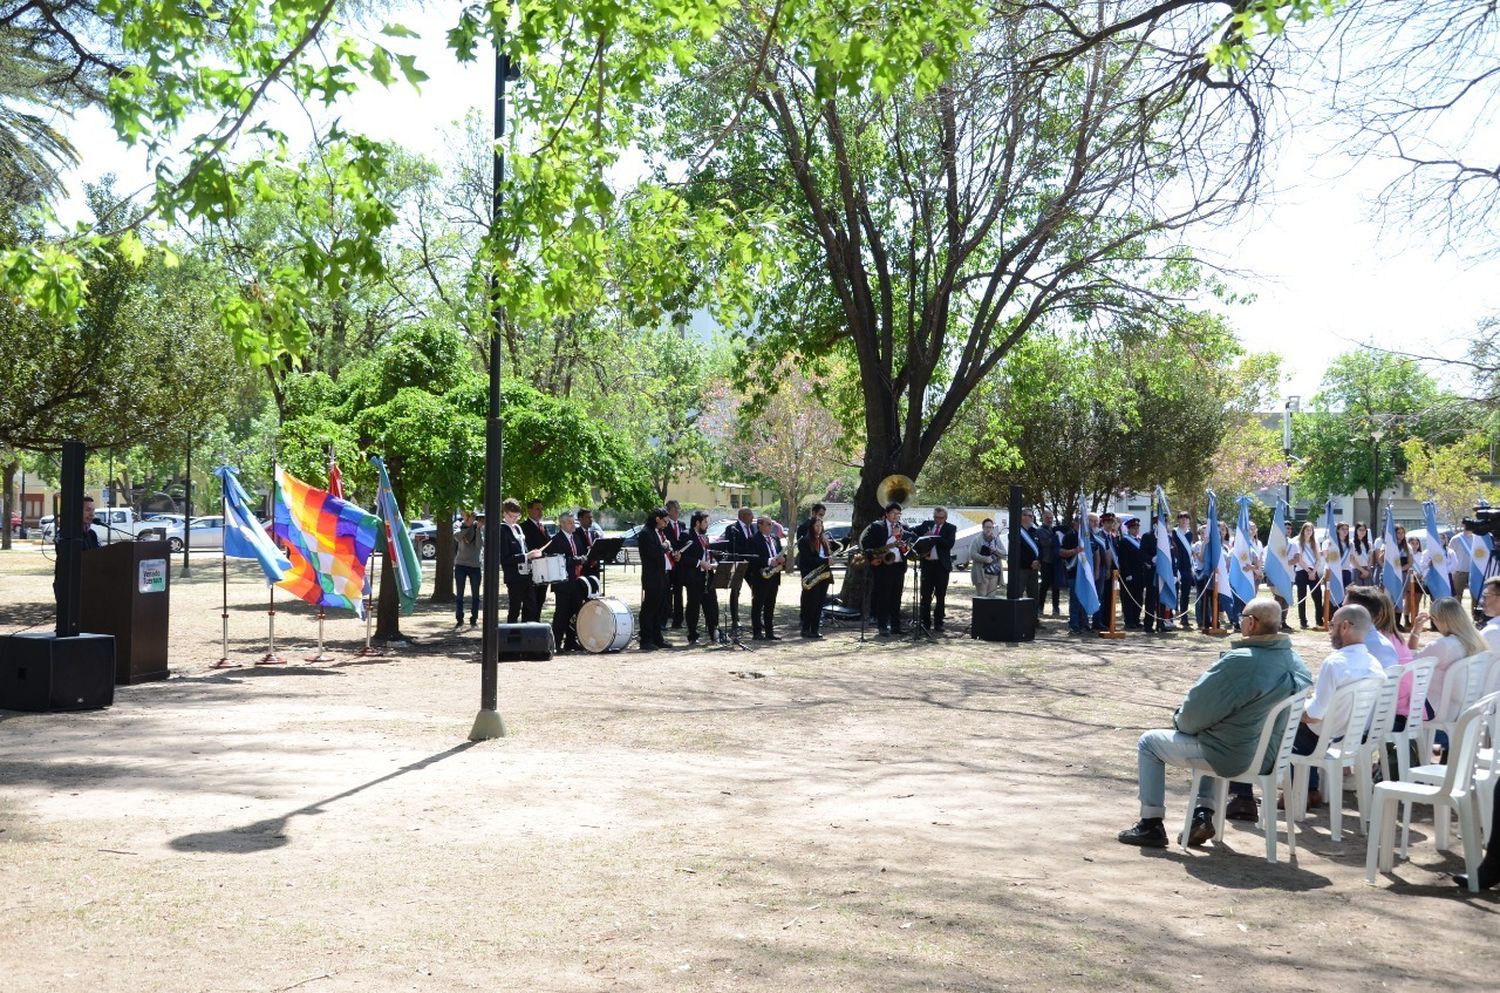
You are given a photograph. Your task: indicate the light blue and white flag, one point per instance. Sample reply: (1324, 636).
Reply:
(1241, 568)
(1166, 576)
(1213, 544)
(1481, 551)
(1333, 557)
(1278, 554)
(1436, 576)
(1390, 573)
(244, 537)
(1084, 589)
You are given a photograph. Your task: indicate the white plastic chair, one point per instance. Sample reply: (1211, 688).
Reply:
(1420, 672)
(1463, 683)
(1370, 752)
(1341, 739)
(1486, 770)
(1455, 792)
(1291, 709)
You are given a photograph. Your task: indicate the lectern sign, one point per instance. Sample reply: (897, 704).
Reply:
(153, 576)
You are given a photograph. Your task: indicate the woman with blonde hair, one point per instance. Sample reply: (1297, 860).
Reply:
(1460, 639)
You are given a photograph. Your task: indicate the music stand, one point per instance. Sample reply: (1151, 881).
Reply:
(603, 552)
(739, 564)
(920, 548)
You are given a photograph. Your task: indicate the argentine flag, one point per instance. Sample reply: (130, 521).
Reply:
(244, 538)
(1084, 590)
(1166, 576)
(1213, 545)
(1333, 557)
(1241, 571)
(1390, 573)
(1481, 551)
(1437, 559)
(1278, 554)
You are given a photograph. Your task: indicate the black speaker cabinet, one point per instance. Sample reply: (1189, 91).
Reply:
(44, 672)
(525, 642)
(1000, 619)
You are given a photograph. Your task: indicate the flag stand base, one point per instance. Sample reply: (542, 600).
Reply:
(322, 656)
(487, 725)
(224, 662)
(1113, 633)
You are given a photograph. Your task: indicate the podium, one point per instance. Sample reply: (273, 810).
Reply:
(126, 593)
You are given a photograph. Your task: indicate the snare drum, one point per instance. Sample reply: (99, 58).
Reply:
(604, 625)
(549, 569)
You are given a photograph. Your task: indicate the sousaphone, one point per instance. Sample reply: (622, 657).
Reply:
(895, 488)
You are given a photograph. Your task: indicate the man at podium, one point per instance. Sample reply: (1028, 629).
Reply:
(90, 540)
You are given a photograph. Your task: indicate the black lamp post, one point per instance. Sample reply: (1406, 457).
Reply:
(1293, 404)
(187, 518)
(487, 723)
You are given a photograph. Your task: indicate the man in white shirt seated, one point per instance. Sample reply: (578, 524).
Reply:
(1349, 662)
(1489, 602)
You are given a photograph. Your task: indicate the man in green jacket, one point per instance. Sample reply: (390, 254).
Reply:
(1219, 721)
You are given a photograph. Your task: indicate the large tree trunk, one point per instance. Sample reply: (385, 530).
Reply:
(388, 611)
(10, 485)
(442, 578)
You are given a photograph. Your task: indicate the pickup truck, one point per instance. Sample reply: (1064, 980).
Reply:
(113, 524)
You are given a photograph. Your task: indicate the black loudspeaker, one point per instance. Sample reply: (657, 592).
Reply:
(997, 619)
(41, 672)
(525, 642)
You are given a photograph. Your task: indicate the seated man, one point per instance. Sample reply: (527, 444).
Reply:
(1349, 661)
(1219, 721)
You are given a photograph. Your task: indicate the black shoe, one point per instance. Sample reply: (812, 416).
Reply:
(647, 647)
(1202, 831)
(774, 637)
(898, 631)
(1147, 833)
(937, 626)
(1242, 808)
(885, 632)
(816, 634)
(664, 643)
(692, 639)
(1488, 878)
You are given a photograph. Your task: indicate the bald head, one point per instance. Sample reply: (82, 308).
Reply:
(1267, 614)
(1350, 625)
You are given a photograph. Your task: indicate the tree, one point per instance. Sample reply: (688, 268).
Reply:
(1449, 475)
(785, 436)
(1014, 184)
(1370, 403)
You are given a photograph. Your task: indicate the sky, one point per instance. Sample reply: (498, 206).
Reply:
(1324, 275)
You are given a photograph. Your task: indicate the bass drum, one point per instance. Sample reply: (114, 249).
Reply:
(604, 625)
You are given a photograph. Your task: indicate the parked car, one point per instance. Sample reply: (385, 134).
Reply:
(206, 533)
(113, 524)
(423, 538)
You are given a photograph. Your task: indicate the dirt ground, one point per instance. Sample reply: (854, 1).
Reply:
(842, 816)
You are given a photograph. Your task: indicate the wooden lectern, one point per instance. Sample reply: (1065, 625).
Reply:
(126, 592)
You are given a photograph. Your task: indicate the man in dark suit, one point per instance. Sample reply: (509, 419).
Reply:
(516, 552)
(1132, 572)
(567, 596)
(696, 569)
(739, 535)
(1051, 574)
(936, 566)
(1155, 619)
(656, 564)
(1028, 559)
(886, 578)
(677, 534)
(586, 535)
(1182, 563)
(765, 551)
(536, 537)
(819, 511)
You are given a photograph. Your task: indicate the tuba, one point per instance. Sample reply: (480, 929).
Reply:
(895, 488)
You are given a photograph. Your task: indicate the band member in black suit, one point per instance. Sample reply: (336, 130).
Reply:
(656, 566)
(1132, 572)
(567, 596)
(536, 537)
(697, 570)
(936, 565)
(739, 535)
(1028, 553)
(677, 534)
(1155, 616)
(818, 513)
(1051, 543)
(586, 535)
(813, 554)
(766, 553)
(515, 552)
(1182, 564)
(881, 538)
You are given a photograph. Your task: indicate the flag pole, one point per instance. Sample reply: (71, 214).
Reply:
(271, 658)
(224, 662)
(321, 656)
(1114, 585)
(1213, 607)
(1327, 599)
(370, 571)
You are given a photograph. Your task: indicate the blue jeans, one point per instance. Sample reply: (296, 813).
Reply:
(461, 575)
(1154, 752)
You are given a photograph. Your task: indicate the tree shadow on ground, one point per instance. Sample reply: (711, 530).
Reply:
(270, 833)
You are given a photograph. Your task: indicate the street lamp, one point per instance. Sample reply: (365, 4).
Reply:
(487, 723)
(187, 518)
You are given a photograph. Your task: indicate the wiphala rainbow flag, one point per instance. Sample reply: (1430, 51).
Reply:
(328, 541)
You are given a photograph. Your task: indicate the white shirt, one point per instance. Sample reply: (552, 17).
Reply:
(1359, 559)
(1347, 665)
(1446, 650)
(1491, 632)
(1459, 549)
